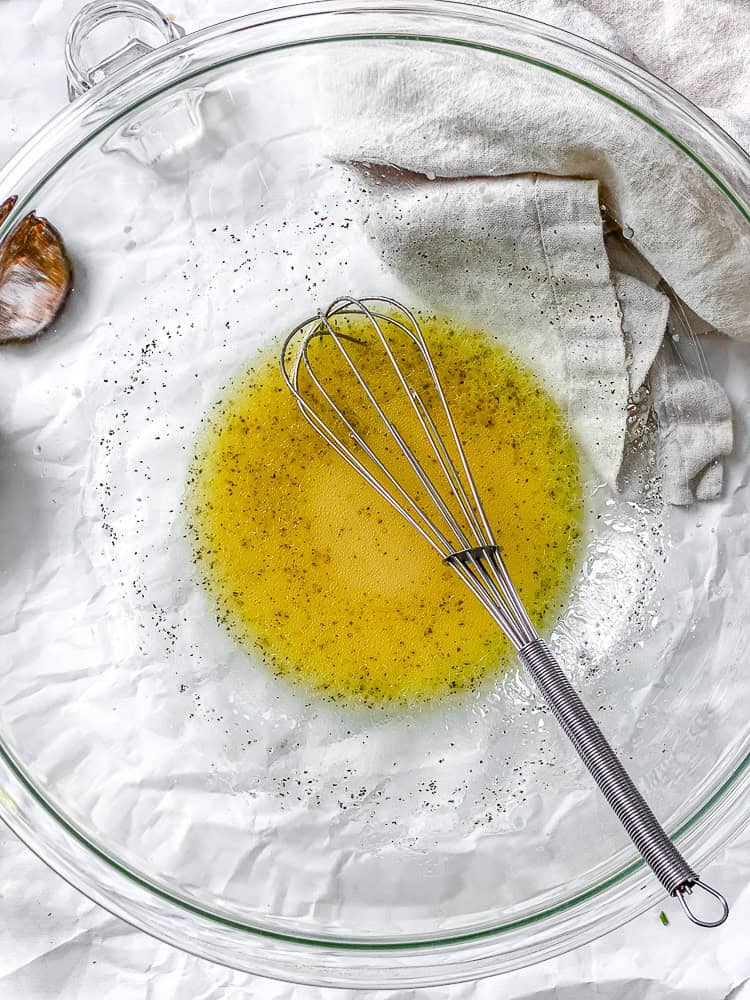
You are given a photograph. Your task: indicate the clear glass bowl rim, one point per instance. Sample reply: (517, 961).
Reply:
(44, 827)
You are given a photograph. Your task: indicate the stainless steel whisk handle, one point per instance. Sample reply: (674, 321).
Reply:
(643, 828)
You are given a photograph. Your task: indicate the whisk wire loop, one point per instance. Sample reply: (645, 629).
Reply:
(378, 320)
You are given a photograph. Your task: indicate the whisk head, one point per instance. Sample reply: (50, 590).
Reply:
(400, 436)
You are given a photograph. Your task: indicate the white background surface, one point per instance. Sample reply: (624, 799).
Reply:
(56, 944)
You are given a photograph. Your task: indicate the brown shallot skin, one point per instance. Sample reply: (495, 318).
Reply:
(36, 276)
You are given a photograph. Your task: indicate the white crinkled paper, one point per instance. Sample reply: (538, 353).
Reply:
(54, 943)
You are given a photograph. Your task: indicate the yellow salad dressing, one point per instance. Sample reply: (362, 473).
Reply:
(309, 568)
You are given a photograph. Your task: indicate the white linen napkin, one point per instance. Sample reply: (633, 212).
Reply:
(500, 221)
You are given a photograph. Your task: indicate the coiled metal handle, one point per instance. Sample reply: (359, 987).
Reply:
(643, 828)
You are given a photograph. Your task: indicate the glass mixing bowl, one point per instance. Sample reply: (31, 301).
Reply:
(141, 755)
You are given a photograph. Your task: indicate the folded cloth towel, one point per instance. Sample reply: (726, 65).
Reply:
(644, 320)
(525, 257)
(696, 429)
(482, 219)
(533, 121)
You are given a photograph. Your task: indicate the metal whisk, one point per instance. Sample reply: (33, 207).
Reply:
(437, 495)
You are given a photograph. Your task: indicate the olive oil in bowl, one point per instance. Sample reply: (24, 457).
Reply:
(308, 567)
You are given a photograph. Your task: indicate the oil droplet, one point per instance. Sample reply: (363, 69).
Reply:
(307, 566)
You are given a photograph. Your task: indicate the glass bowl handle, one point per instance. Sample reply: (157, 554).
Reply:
(125, 30)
